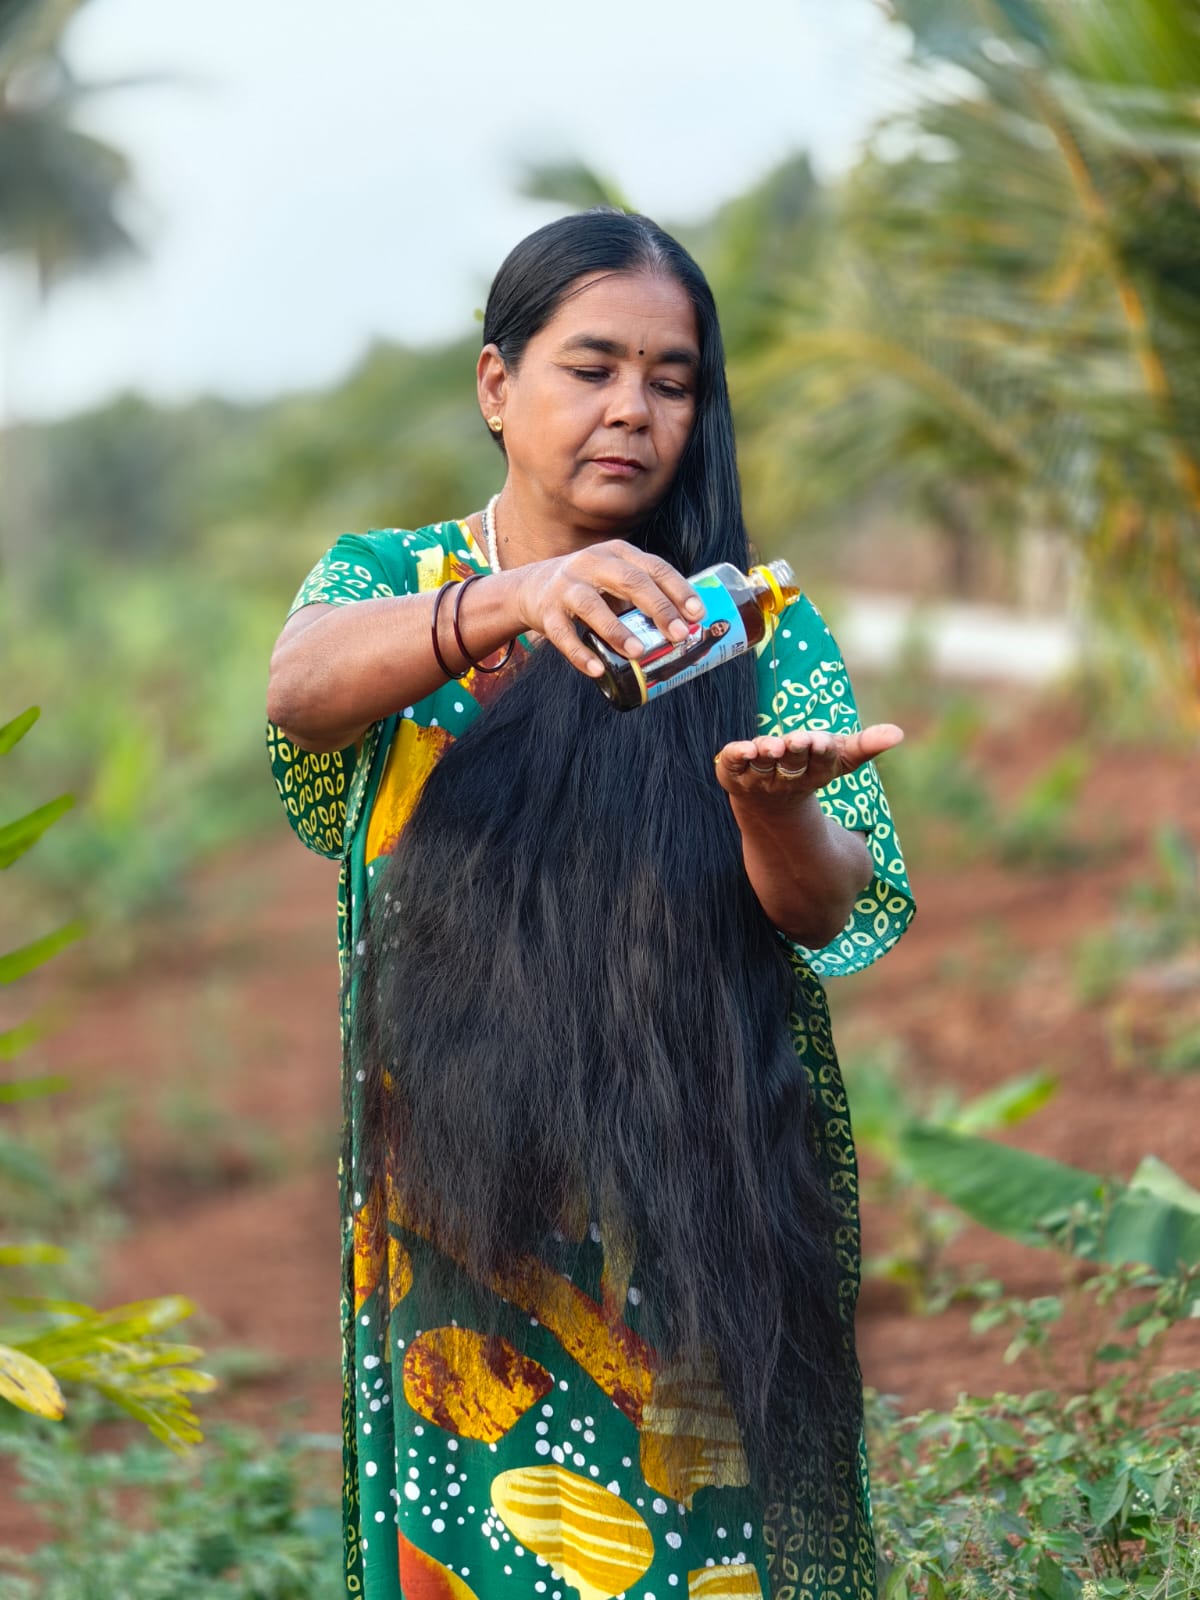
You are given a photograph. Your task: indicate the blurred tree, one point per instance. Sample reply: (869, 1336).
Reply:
(60, 193)
(1002, 328)
(572, 184)
(774, 233)
(744, 246)
(60, 189)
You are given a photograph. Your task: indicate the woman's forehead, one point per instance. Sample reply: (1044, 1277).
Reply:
(621, 307)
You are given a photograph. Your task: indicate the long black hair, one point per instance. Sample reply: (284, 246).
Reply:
(571, 1002)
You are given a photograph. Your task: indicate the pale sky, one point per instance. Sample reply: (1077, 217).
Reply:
(317, 176)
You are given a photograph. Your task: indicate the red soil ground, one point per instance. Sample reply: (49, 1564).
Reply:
(223, 1049)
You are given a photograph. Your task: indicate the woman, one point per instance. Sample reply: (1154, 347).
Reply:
(599, 1193)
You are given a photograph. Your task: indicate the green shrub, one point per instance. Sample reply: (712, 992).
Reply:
(921, 1227)
(1085, 1489)
(226, 1522)
(164, 750)
(1090, 1485)
(1040, 828)
(1159, 920)
(46, 1342)
(950, 812)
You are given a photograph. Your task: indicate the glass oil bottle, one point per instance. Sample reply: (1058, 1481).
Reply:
(737, 609)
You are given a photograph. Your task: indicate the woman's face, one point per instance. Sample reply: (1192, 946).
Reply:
(599, 410)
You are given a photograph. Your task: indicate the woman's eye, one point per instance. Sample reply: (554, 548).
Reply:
(669, 390)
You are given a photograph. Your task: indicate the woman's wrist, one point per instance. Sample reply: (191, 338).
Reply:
(805, 869)
(489, 617)
(337, 669)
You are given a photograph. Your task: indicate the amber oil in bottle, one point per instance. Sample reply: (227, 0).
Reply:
(737, 609)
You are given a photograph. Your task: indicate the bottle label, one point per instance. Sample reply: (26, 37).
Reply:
(717, 637)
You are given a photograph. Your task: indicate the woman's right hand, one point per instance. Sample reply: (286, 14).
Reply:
(553, 594)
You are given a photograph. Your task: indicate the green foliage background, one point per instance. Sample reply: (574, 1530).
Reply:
(991, 325)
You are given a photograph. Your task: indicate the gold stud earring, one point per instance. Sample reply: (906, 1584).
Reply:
(496, 424)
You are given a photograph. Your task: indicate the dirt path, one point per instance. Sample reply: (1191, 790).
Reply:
(224, 1054)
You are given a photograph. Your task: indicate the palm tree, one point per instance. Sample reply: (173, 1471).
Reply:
(60, 191)
(572, 183)
(59, 188)
(1005, 324)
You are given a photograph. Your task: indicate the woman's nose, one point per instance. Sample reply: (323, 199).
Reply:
(628, 403)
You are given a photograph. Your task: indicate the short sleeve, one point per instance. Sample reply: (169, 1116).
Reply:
(803, 684)
(355, 569)
(321, 792)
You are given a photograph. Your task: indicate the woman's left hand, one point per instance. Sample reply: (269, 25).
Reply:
(781, 771)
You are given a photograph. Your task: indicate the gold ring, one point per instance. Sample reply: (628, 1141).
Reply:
(792, 772)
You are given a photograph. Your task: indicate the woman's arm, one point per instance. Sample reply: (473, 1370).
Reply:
(337, 669)
(805, 868)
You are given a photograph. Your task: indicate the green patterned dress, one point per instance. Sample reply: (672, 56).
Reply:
(535, 1466)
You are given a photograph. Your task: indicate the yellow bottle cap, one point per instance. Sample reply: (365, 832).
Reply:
(765, 575)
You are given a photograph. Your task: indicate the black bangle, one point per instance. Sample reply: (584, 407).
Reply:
(458, 638)
(437, 606)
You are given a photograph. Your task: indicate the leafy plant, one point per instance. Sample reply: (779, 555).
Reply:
(1159, 920)
(1181, 1050)
(165, 749)
(46, 1342)
(951, 813)
(920, 1228)
(1171, 898)
(1038, 830)
(1143, 970)
(1154, 1219)
(236, 1519)
(1089, 1487)
(939, 784)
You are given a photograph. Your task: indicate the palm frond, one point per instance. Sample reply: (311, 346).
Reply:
(1006, 304)
(572, 183)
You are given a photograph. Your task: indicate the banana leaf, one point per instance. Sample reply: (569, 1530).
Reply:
(1006, 1104)
(1154, 1220)
(27, 1255)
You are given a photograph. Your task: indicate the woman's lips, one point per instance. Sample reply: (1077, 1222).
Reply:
(618, 466)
